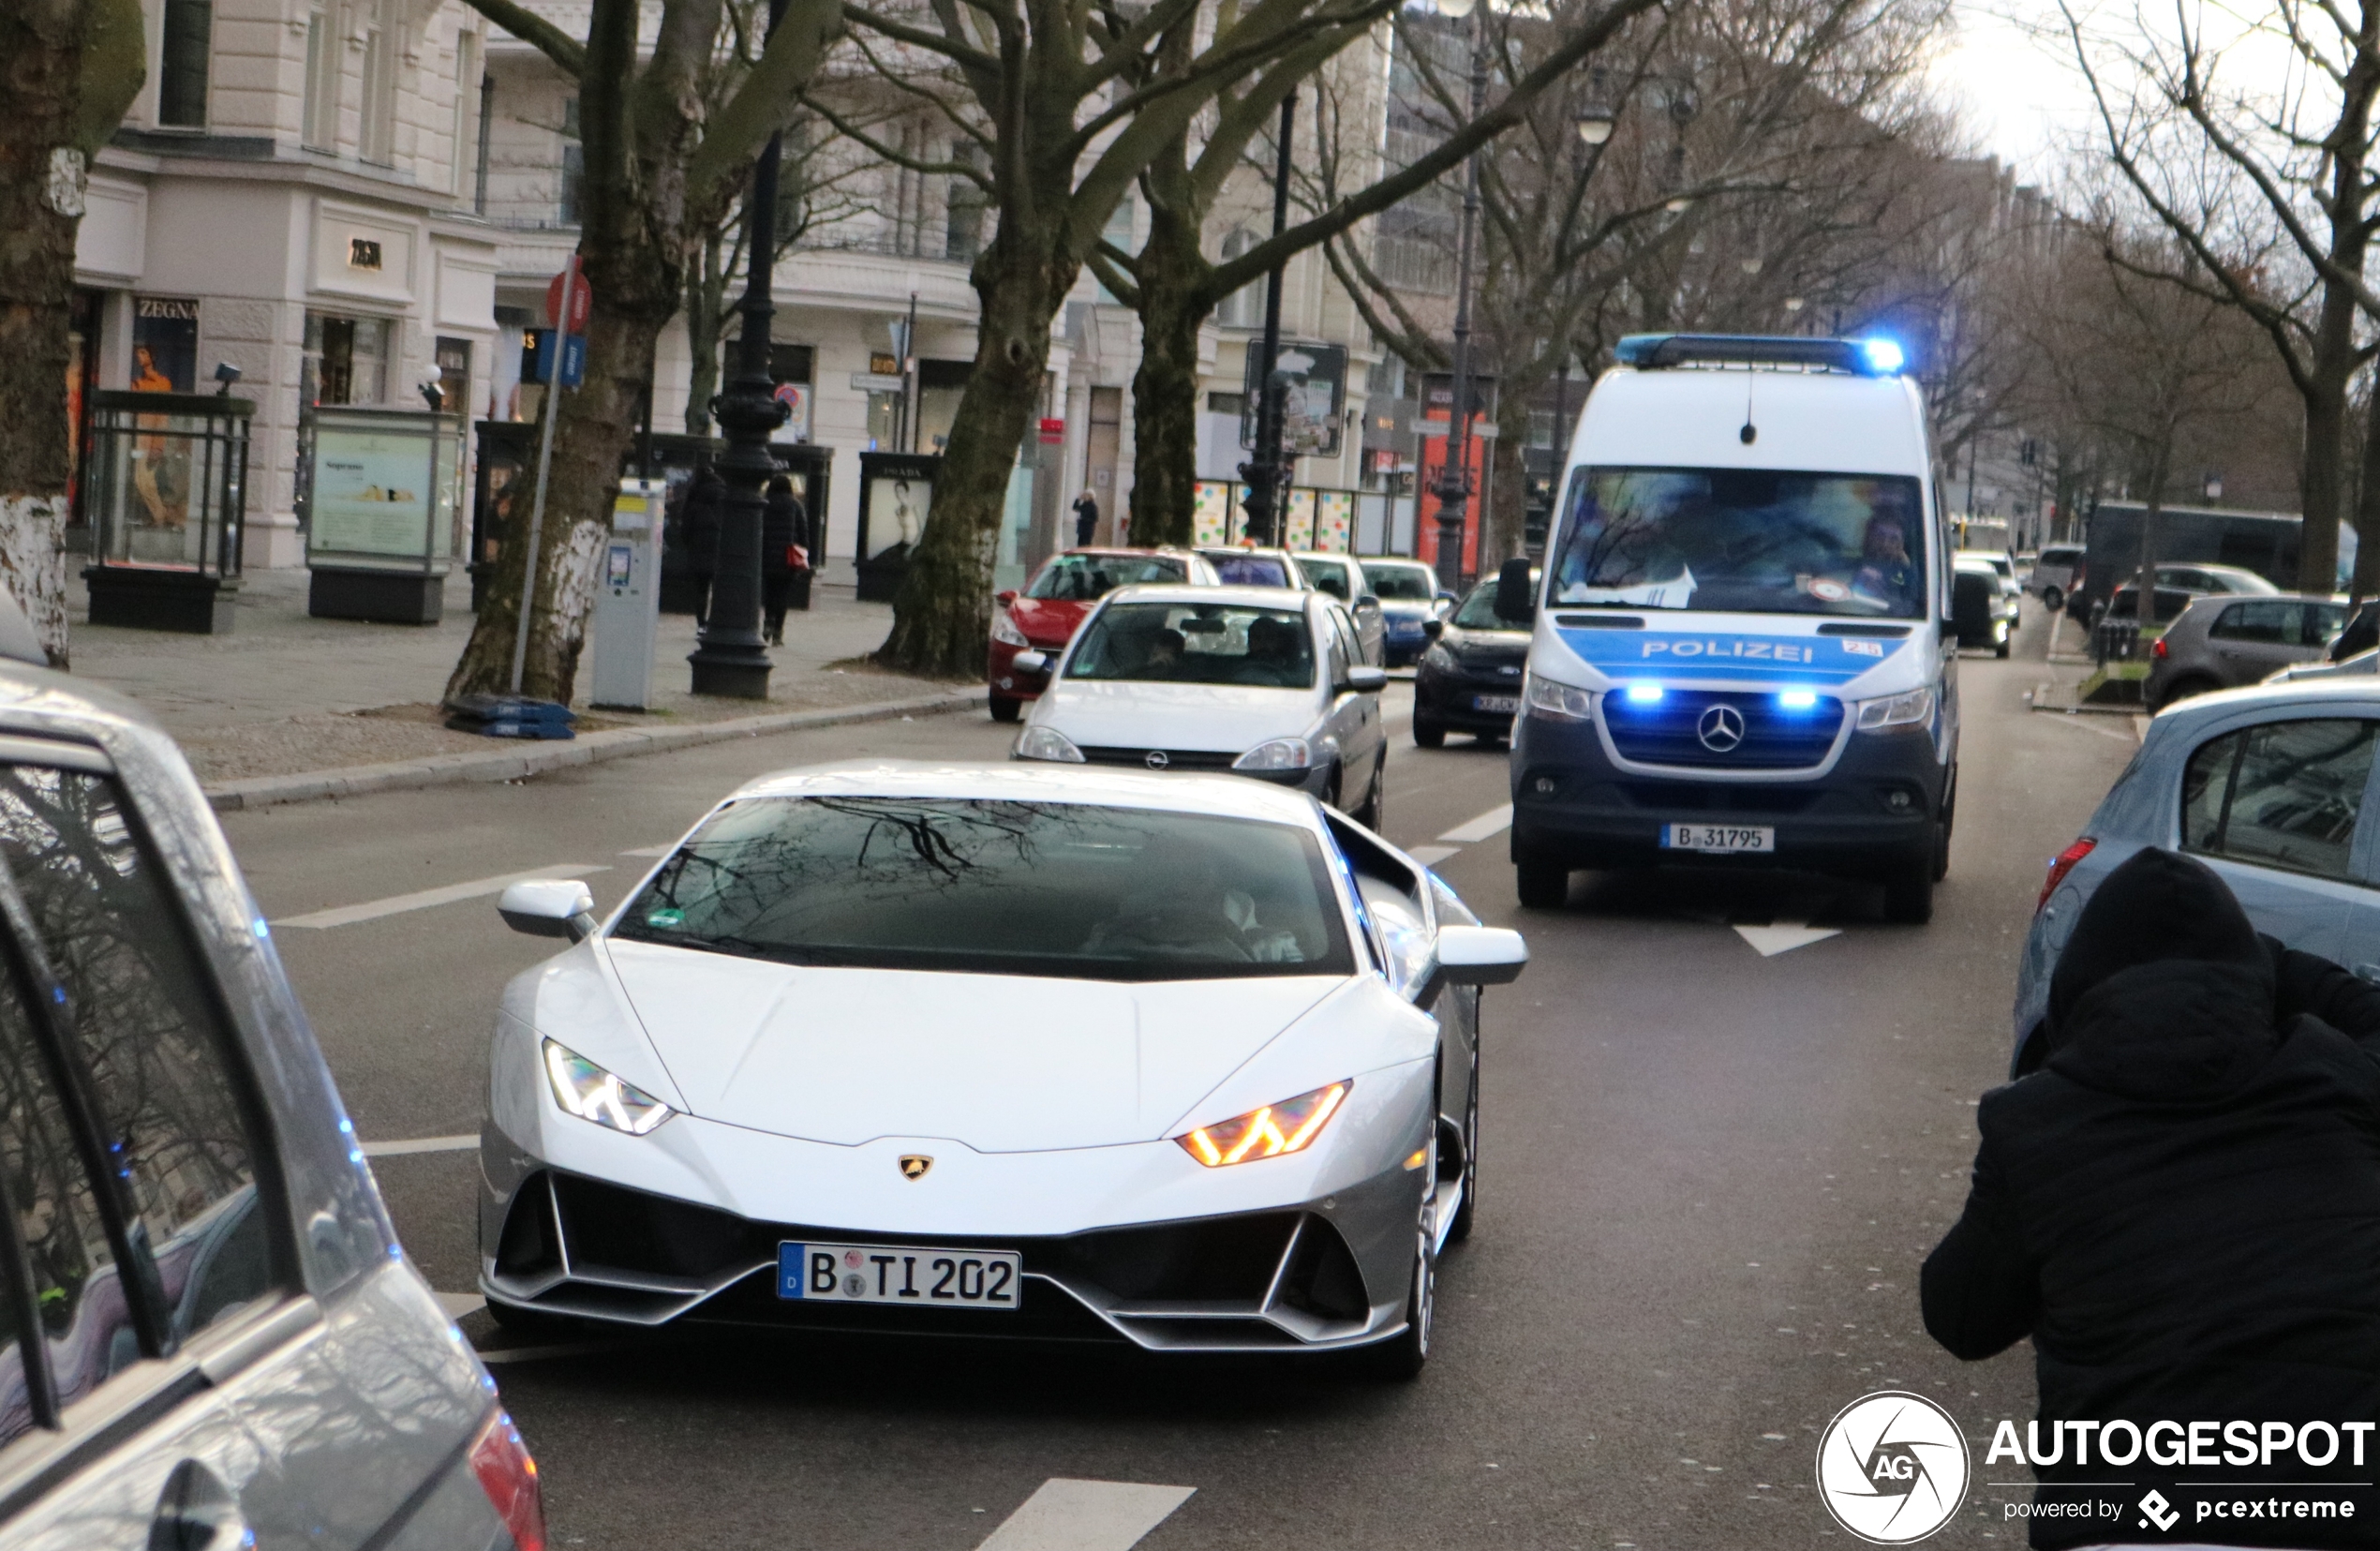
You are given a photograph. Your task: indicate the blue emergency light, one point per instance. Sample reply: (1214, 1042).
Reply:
(1870, 357)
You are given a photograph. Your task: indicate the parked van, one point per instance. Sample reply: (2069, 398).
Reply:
(1741, 649)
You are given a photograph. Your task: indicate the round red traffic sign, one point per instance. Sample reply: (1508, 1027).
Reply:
(582, 300)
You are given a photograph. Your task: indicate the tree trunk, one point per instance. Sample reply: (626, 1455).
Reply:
(705, 316)
(2366, 581)
(41, 193)
(591, 437)
(2319, 485)
(942, 615)
(1165, 412)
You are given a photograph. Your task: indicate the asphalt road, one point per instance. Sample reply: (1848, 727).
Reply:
(1710, 1173)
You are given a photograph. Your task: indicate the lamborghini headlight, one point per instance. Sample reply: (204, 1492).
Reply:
(590, 1093)
(1288, 1127)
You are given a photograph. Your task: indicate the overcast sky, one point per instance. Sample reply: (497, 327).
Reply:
(2020, 96)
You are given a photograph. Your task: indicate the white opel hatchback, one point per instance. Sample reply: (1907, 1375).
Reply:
(997, 1050)
(1258, 681)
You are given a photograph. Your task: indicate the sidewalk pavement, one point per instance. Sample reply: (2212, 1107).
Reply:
(288, 708)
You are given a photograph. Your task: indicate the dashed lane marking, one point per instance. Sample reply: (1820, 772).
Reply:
(1486, 826)
(1430, 856)
(420, 1144)
(662, 850)
(1086, 1515)
(398, 905)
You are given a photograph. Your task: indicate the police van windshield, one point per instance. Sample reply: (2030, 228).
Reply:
(1750, 541)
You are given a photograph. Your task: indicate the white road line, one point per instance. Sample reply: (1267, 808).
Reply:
(652, 850)
(2092, 725)
(455, 1304)
(1784, 936)
(420, 1144)
(372, 910)
(1430, 856)
(1086, 1515)
(1486, 826)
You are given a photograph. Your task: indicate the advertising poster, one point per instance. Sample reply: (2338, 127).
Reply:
(1296, 520)
(1211, 513)
(1314, 394)
(1335, 516)
(896, 508)
(165, 344)
(373, 494)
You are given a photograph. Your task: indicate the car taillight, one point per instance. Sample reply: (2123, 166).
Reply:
(2059, 866)
(509, 1477)
(2158, 647)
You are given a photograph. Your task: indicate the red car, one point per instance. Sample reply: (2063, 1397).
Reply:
(1044, 615)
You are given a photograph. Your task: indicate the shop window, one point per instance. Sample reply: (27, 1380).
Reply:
(454, 374)
(182, 65)
(346, 362)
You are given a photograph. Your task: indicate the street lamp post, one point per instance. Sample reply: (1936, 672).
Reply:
(1266, 471)
(1455, 470)
(732, 660)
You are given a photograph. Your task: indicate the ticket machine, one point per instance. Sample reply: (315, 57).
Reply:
(628, 598)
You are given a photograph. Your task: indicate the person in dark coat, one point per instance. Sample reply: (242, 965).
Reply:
(1086, 518)
(783, 524)
(2182, 1210)
(698, 525)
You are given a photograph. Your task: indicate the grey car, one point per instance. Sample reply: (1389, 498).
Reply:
(2057, 572)
(209, 1336)
(2225, 641)
(1342, 577)
(2265, 785)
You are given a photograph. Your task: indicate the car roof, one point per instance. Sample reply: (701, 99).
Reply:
(1230, 594)
(2315, 693)
(1222, 796)
(1170, 550)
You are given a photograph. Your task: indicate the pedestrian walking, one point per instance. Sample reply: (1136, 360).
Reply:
(2182, 1210)
(1086, 518)
(782, 556)
(698, 527)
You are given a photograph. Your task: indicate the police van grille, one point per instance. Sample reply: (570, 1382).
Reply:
(1665, 732)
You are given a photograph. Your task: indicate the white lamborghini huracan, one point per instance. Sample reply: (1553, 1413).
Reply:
(1187, 1061)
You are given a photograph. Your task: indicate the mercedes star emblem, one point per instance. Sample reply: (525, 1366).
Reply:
(1720, 728)
(1156, 759)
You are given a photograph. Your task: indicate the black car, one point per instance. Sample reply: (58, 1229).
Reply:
(1469, 680)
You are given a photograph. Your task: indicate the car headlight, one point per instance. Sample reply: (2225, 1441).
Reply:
(1048, 743)
(1004, 632)
(1288, 1127)
(1282, 753)
(1896, 710)
(590, 1093)
(1439, 658)
(1559, 702)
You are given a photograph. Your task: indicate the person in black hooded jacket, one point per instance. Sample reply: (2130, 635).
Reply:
(2182, 1209)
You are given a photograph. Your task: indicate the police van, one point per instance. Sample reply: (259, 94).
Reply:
(1741, 648)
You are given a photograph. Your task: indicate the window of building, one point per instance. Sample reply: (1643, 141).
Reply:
(376, 131)
(182, 65)
(318, 129)
(1244, 307)
(466, 91)
(573, 164)
(966, 204)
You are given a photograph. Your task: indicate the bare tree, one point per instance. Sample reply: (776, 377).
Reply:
(662, 166)
(2268, 197)
(72, 67)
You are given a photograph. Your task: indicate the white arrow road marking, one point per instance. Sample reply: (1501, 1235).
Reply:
(1486, 826)
(372, 910)
(455, 1304)
(1784, 936)
(1430, 856)
(420, 1144)
(1086, 1515)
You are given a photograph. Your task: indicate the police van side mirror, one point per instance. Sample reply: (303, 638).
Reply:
(1515, 600)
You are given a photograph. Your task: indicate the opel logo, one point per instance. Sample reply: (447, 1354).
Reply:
(1156, 759)
(914, 1164)
(1720, 728)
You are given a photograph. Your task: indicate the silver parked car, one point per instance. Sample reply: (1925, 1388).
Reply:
(2225, 641)
(2265, 785)
(209, 1336)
